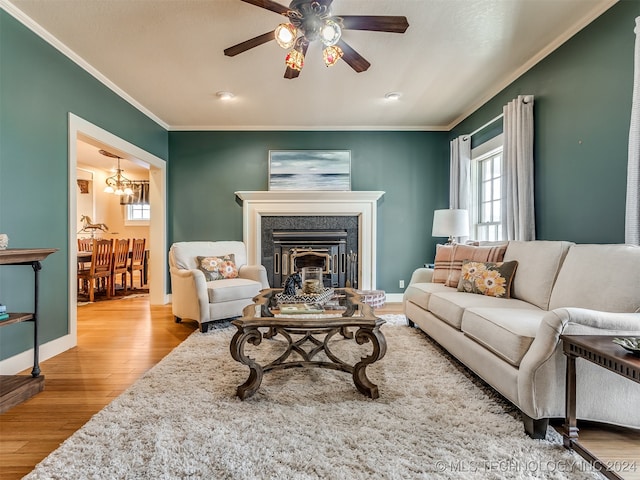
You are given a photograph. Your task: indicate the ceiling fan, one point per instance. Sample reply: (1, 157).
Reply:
(311, 20)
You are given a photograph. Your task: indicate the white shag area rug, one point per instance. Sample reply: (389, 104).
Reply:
(433, 420)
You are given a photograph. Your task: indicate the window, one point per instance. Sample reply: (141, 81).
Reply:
(486, 190)
(137, 214)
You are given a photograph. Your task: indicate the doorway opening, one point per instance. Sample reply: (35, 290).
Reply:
(82, 132)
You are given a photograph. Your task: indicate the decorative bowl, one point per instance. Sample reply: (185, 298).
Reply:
(630, 344)
(311, 298)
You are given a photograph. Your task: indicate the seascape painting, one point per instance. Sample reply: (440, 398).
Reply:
(310, 170)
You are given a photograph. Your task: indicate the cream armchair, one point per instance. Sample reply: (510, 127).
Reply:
(197, 298)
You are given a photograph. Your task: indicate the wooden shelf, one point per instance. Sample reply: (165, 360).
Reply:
(13, 256)
(16, 318)
(15, 389)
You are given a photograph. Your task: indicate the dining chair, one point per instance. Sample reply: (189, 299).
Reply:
(120, 263)
(137, 259)
(99, 268)
(84, 245)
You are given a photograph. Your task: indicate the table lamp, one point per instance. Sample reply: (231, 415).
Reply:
(450, 223)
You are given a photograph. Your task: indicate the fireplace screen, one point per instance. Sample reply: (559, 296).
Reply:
(294, 250)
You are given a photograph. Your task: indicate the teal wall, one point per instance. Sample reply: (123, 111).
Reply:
(38, 88)
(206, 168)
(582, 111)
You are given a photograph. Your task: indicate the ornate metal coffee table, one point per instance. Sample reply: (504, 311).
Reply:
(307, 335)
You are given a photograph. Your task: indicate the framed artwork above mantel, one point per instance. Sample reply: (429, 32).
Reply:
(310, 170)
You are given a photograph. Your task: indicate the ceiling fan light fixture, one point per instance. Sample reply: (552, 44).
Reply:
(330, 33)
(286, 34)
(295, 60)
(331, 55)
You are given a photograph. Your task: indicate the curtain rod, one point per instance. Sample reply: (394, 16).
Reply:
(483, 126)
(526, 99)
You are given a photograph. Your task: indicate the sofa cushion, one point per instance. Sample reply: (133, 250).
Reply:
(232, 289)
(507, 332)
(449, 258)
(419, 293)
(218, 267)
(450, 306)
(538, 265)
(487, 278)
(599, 277)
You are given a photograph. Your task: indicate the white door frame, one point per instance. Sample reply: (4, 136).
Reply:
(157, 224)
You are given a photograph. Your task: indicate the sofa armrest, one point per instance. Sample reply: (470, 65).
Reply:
(254, 272)
(421, 275)
(189, 296)
(545, 351)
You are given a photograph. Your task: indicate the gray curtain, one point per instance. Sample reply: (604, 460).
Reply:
(460, 173)
(518, 216)
(140, 194)
(632, 215)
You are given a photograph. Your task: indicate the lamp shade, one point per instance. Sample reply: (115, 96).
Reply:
(450, 223)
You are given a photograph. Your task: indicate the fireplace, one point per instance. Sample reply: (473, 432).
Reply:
(322, 214)
(330, 242)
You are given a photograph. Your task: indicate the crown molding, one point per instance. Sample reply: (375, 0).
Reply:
(32, 25)
(313, 128)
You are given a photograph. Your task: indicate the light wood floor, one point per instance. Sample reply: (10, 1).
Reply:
(120, 340)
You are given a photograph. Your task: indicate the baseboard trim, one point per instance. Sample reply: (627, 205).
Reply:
(24, 361)
(394, 297)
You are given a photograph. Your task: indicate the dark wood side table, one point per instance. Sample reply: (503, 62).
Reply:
(601, 351)
(14, 389)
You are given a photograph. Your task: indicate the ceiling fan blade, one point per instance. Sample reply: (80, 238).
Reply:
(248, 44)
(292, 73)
(376, 23)
(353, 58)
(269, 5)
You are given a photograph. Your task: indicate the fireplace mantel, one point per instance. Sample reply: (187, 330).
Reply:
(363, 204)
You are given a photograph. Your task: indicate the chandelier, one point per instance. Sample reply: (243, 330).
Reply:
(118, 183)
(313, 21)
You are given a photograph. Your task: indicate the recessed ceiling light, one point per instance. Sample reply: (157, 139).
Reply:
(225, 95)
(392, 96)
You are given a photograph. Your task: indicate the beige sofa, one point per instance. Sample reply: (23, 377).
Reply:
(513, 344)
(196, 298)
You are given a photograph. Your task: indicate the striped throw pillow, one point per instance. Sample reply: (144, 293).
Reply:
(449, 258)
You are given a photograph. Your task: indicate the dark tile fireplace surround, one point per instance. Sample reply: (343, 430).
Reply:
(291, 242)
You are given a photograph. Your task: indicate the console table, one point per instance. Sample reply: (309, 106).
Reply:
(14, 389)
(601, 351)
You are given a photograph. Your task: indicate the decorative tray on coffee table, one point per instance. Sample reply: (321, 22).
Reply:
(630, 344)
(300, 308)
(308, 298)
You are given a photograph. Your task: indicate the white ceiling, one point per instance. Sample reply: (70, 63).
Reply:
(89, 157)
(166, 57)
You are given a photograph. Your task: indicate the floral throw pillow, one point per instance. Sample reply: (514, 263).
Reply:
(487, 278)
(218, 268)
(449, 258)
